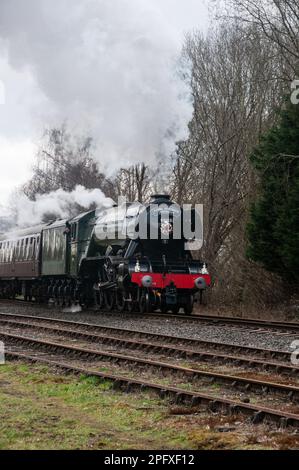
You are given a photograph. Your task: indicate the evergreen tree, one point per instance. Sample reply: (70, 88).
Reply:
(273, 230)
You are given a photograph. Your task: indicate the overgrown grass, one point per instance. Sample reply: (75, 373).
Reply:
(40, 409)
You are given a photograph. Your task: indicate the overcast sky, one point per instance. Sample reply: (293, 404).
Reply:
(106, 66)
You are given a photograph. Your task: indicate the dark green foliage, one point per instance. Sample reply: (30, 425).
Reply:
(273, 231)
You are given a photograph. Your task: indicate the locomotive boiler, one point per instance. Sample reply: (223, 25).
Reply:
(129, 257)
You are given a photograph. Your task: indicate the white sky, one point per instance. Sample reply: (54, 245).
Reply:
(26, 105)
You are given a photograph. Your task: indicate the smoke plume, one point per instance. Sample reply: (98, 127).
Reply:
(107, 67)
(58, 204)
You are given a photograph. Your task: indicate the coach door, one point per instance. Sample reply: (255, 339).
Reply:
(74, 248)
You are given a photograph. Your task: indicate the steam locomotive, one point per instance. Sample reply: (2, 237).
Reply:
(126, 257)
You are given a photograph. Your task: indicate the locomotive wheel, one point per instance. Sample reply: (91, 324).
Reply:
(109, 297)
(144, 302)
(188, 307)
(99, 298)
(164, 308)
(130, 302)
(120, 300)
(175, 310)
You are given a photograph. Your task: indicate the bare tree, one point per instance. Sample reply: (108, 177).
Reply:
(64, 161)
(134, 182)
(278, 21)
(234, 101)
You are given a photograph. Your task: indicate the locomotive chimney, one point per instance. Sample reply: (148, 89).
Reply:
(155, 198)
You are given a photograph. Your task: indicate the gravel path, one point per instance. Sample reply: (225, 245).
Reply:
(179, 327)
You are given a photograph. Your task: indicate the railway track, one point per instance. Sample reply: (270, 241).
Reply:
(260, 326)
(244, 383)
(96, 334)
(257, 326)
(194, 399)
(266, 359)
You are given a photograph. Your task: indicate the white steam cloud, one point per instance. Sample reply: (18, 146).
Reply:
(108, 67)
(60, 204)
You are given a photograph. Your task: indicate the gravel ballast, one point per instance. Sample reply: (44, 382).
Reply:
(170, 326)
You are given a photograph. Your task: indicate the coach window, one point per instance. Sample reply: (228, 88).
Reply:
(30, 248)
(37, 246)
(74, 232)
(34, 248)
(53, 243)
(2, 253)
(27, 248)
(10, 251)
(24, 254)
(45, 245)
(20, 250)
(14, 250)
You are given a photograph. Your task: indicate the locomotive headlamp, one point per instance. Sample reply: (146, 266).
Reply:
(204, 269)
(200, 283)
(147, 281)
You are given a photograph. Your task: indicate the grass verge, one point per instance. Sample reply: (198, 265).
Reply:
(40, 409)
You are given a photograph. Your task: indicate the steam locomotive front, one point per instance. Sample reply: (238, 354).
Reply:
(148, 255)
(162, 266)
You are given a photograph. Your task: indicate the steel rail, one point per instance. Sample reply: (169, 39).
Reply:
(256, 413)
(156, 347)
(268, 324)
(262, 352)
(243, 383)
